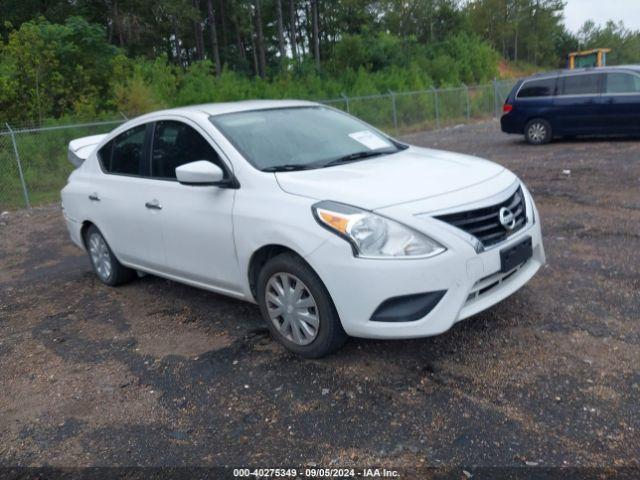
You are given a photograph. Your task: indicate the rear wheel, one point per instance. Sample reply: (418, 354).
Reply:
(538, 132)
(105, 265)
(297, 307)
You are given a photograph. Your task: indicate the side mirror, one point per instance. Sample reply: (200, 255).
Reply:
(201, 173)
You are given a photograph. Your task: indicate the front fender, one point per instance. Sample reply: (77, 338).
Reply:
(257, 224)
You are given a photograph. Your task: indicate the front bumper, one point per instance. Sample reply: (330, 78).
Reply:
(471, 280)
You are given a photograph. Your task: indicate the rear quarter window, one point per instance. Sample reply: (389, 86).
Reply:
(545, 87)
(104, 156)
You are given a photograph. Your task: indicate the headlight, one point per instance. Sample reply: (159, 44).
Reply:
(374, 236)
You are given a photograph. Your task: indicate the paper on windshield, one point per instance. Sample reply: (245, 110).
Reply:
(369, 140)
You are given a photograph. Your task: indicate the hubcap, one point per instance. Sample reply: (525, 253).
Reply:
(537, 132)
(100, 256)
(292, 308)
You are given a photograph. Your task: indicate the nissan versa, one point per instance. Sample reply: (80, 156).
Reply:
(330, 226)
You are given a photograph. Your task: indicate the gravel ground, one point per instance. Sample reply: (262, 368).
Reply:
(157, 373)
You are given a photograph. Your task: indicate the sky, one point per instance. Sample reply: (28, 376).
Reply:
(578, 11)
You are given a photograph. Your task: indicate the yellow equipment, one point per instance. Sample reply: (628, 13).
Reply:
(589, 58)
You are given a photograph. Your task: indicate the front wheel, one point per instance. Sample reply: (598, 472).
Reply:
(297, 307)
(538, 132)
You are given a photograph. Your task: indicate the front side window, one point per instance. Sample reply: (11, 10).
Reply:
(545, 87)
(622, 83)
(299, 138)
(124, 154)
(581, 85)
(174, 144)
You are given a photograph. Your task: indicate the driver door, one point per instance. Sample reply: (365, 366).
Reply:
(197, 226)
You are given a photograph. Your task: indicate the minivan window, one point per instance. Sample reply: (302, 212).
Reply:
(538, 88)
(123, 154)
(622, 83)
(174, 144)
(580, 85)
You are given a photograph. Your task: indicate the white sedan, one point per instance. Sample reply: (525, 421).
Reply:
(332, 227)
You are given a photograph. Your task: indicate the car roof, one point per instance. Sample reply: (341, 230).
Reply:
(234, 107)
(577, 71)
(212, 109)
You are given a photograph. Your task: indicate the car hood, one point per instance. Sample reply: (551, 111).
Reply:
(411, 175)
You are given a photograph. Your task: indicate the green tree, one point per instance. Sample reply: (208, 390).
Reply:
(48, 68)
(519, 29)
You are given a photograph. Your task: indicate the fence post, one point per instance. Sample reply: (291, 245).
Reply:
(395, 111)
(466, 89)
(437, 105)
(346, 101)
(15, 149)
(495, 98)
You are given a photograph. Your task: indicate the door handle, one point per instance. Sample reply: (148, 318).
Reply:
(94, 197)
(153, 205)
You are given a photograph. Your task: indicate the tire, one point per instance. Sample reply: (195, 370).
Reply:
(538, 132)
(312, 329)
(105, 264)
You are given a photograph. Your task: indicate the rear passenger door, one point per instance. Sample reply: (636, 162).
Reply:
(620, 108)
(577, 105)
(123, 200)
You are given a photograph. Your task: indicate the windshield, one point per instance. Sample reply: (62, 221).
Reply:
(301, 137)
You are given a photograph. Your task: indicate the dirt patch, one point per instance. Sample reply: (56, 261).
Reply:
(188, 344)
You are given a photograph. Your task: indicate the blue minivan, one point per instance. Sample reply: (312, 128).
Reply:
(593, 101)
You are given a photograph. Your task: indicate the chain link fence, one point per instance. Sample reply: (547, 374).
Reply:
(34, 165)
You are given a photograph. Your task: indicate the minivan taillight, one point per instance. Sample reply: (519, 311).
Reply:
(506, 108)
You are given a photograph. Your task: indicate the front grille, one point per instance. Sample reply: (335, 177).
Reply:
(484, 223)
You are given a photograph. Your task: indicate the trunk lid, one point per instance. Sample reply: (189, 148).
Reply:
(80, 148)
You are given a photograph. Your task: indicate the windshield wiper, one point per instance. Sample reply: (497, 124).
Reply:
(354, 157)
(289, 167)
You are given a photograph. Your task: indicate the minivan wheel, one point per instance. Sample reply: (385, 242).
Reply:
(297, 307)
(105, 265)
(537, 132)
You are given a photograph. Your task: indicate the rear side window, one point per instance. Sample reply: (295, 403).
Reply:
(538, 88)
(622, 83)
(175, 144)
(580, 85)
(104, 156)
(124, 154)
